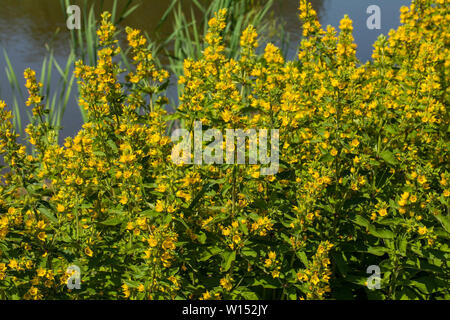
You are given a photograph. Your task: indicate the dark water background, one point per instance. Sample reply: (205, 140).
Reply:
(27, 25)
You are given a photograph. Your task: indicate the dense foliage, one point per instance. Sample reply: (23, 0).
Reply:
(363, 176)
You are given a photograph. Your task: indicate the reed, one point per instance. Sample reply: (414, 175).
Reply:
(57, 87)
(84, 42)
(190, 25)
(189, 30)
(186, 40)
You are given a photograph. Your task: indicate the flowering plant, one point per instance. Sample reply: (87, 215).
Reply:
(363, 176)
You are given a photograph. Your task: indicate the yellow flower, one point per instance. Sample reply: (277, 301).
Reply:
(314, 279)
(320, 249)
(174, 280)
(13, 264)
(168, 245)
(382, 212)
(226, 284)
(255, 174)
(135, 78)
(422, 179)
(41, 224)
(127, 174)
(60, 208)
(159, 206)
(206, 295)
(152, 242)
(422, 230)
(88, 251)
(302, 276)
(148, 254)
(161, 188)
(126, 290)
(226, 115)
(40, 272)
(41, 236)
(226, 231)
(33, 291)
(123, 199)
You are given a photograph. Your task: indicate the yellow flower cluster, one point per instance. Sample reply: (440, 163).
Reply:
(318, 273)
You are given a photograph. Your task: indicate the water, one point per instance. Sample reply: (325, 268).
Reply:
(27, 25)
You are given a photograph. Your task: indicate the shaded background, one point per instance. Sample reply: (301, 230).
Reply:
(27, 25)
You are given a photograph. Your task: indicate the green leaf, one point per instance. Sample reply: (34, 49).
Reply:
(112, 145)
(99, 153)
(444, 220)
(112, 222)
(150, 213)
(388, 157)
(48, 214)
(381, 233)
(208, 253)
(132, 284)
(201, 237)
(430, 284)
(229, 257)
(408, 294)
(378, 251)
(357, 280)
(403, 244)
(359, 220)
(246, 294)
(302, 256)
(341, 263)
(266, 283)
(249, 253)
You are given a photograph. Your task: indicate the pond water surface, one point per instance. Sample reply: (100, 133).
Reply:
(27, 25)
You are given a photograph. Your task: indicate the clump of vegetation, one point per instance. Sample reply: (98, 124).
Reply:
(363, 176)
